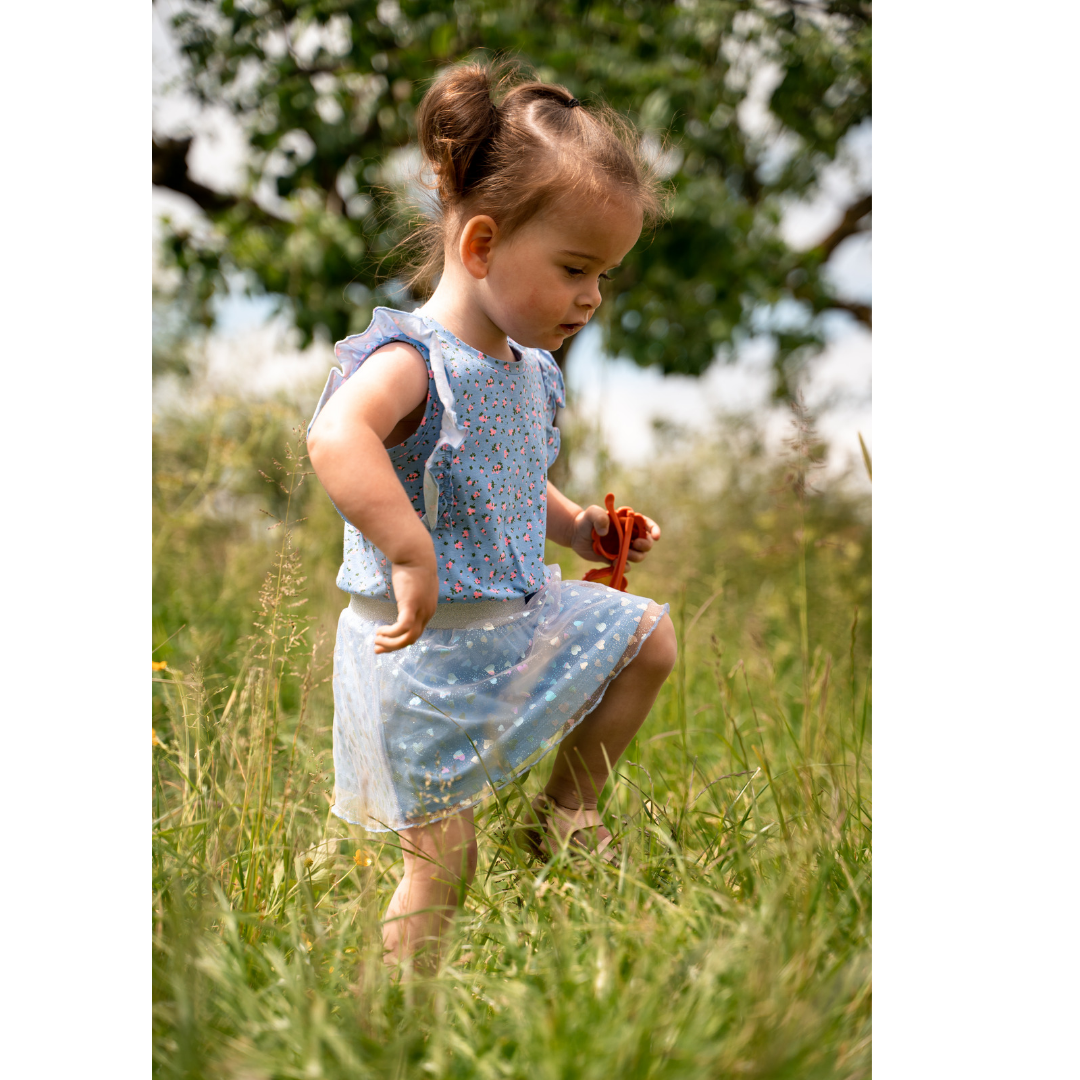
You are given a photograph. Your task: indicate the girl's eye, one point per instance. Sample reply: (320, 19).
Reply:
(573, 270)
(605, 277)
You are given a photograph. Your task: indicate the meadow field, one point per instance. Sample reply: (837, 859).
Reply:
(734, 939)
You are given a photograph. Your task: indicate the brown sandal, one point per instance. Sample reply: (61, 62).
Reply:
(569, 825)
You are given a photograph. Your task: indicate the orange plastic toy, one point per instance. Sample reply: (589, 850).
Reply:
(626, 527)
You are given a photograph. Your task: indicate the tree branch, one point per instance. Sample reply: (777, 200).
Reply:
(171, 171)
(849, 225)
(862, 312)
(818, 304)
(852, 9)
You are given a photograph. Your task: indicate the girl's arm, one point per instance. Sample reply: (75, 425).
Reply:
(347, 449)
(570, 525)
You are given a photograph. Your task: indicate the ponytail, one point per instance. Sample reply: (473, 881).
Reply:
(513, 157)
(457, 122)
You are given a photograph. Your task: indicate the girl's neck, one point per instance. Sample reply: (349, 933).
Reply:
(455, 309)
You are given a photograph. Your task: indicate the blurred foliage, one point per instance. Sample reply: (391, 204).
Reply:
(217, 504)
(744, 103)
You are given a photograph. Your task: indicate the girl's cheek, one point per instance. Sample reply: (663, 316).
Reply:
(534, 297)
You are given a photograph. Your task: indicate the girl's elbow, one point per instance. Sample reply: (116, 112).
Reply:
(319, 448)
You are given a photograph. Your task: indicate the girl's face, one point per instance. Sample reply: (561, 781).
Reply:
(544, 281)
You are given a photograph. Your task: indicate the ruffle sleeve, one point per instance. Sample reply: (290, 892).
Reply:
(386, 325)
(555, 390)
(389, 325)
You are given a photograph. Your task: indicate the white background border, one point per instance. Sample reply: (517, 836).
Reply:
(976, 382)
(76, 540)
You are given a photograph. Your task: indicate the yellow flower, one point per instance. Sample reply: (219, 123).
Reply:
(161, 665)
(157, 741)
(362, 858)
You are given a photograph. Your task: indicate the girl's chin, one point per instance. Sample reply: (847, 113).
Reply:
(550, 340)
(546, 339)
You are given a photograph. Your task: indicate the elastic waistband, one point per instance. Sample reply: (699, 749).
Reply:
(448, 616)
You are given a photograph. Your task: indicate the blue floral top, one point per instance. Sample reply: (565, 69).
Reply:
(476, 467)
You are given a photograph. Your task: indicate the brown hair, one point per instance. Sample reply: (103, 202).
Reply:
(513, 159)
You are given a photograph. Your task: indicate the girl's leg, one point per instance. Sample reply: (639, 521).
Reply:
(581, 765)
(440, 861)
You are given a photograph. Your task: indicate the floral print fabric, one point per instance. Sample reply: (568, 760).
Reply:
(476, 467)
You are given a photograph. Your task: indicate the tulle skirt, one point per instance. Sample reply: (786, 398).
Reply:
(487, 690)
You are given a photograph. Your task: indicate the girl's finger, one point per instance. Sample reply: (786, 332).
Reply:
(408, 619)
(404, 632)
(597, 517)
(402, 626)
(393, 644)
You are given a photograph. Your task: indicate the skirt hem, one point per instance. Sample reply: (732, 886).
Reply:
(531, 762)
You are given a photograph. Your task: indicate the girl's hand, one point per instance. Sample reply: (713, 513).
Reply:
(596, 517)
(416, 586)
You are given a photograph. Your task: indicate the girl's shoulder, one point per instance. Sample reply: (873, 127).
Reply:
(387, 325)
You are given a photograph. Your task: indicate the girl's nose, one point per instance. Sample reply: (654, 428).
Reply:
(591, 297)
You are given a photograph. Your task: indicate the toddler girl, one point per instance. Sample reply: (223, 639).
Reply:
(462, 659)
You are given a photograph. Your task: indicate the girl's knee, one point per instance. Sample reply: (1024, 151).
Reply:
(660, 650)
(462, 862)
(462, 847)
(453, 870)
(459, 868)
(445, 851)
(470, 862)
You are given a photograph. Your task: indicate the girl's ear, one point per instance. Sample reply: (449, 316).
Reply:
(477, 241)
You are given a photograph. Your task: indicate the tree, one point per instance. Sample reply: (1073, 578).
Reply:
(743, 102)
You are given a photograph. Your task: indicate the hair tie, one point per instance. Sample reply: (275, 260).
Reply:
(572, 102)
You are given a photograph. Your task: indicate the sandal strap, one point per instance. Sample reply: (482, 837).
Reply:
(602, 844)
(579, 820)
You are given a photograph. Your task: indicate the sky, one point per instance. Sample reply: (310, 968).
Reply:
(252, 352)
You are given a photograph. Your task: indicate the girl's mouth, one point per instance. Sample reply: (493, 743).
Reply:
(570, 328)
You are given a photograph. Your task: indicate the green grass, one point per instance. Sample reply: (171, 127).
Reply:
(733, 941)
